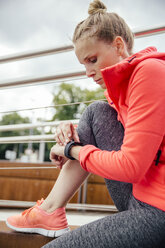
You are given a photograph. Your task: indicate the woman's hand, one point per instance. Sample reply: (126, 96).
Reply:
(57, 155)
(66, 132)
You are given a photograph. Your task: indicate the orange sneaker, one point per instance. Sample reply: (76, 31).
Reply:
(36, 220)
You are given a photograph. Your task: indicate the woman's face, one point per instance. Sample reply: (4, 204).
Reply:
(96, 55)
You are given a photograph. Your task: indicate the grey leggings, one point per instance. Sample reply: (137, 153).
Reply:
(136, 225)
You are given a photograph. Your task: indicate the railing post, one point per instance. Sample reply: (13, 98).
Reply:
(42, 149)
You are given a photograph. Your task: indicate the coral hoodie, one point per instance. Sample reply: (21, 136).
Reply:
(136, 89)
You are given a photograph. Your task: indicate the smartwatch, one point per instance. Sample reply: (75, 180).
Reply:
(68, 147)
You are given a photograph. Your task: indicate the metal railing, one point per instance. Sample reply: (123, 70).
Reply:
(31, 125)
(36, 53)
(139, 33)
(58, 77)
(49, 78)
(29, 138)
(70, 206)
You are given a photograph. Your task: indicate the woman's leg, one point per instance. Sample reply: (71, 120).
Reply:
(120, 193)
(106, 132)
(98, 126)
(69, 180)
(142, 226)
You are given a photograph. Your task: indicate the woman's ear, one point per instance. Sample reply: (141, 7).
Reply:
(120, 46)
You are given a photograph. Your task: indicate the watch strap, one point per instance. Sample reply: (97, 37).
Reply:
(68, 147)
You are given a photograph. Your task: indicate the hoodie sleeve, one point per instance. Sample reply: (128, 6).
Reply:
(144, 129)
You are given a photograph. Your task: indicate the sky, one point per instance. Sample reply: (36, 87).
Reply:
(40, 24)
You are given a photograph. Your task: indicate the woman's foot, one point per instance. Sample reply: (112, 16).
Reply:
(36, 220)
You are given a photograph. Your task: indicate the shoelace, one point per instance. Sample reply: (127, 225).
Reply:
(27, 211)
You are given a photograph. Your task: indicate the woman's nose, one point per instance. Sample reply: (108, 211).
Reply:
(90, 72)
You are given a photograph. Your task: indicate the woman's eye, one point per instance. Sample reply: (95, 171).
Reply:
(93, 60)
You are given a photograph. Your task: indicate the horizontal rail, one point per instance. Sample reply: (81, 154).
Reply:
(27, 168)
(31, 125)
(49, 51)
(30, 138)
(69, 206)
(52, 106)
(54, 78)
(151, 31)
(24, 139)
(36, 53)
(91, 207)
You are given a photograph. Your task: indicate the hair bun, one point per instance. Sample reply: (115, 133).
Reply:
(96, 7)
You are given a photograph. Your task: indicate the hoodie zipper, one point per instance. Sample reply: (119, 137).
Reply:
(158, 157)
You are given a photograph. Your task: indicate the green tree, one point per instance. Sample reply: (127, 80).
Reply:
(10, 119)
(67, 94)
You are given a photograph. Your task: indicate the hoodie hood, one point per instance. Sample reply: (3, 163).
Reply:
(117, 77)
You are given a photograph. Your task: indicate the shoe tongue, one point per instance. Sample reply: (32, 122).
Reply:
(39, 202)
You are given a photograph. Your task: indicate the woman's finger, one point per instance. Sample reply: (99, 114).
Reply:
(59, 137)
(64, 133)
(75, 135)
(66, 128)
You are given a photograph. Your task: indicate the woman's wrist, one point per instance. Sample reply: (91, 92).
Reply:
(74, 151)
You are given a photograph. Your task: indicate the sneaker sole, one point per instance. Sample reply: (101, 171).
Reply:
(45, 232)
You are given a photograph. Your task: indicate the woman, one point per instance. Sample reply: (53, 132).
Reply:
(123, 141)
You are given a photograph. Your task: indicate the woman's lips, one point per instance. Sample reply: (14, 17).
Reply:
(98, 81)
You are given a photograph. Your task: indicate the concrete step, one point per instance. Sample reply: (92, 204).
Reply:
(12, 239)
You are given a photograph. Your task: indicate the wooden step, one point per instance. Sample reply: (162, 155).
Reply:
(12, 239)
(33, 184)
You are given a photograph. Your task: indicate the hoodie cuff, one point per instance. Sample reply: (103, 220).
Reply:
(84, 154)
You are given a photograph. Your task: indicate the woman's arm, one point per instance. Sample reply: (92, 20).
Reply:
(144, 129)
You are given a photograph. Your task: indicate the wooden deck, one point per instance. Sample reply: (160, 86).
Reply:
(12, 239)
(34, 184)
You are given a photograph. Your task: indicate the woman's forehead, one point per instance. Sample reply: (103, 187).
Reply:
(85, 47)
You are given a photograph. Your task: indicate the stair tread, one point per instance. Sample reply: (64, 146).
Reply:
(12, 239)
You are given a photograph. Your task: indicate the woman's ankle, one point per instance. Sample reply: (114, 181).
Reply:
(49, 207)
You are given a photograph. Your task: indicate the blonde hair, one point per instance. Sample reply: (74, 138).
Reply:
(104, 26)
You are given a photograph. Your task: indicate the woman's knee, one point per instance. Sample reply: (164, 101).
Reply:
(100, 108)
(92, 114)
(98, 112)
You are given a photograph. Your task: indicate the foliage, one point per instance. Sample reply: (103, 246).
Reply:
(68, 93)
(10, 119)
